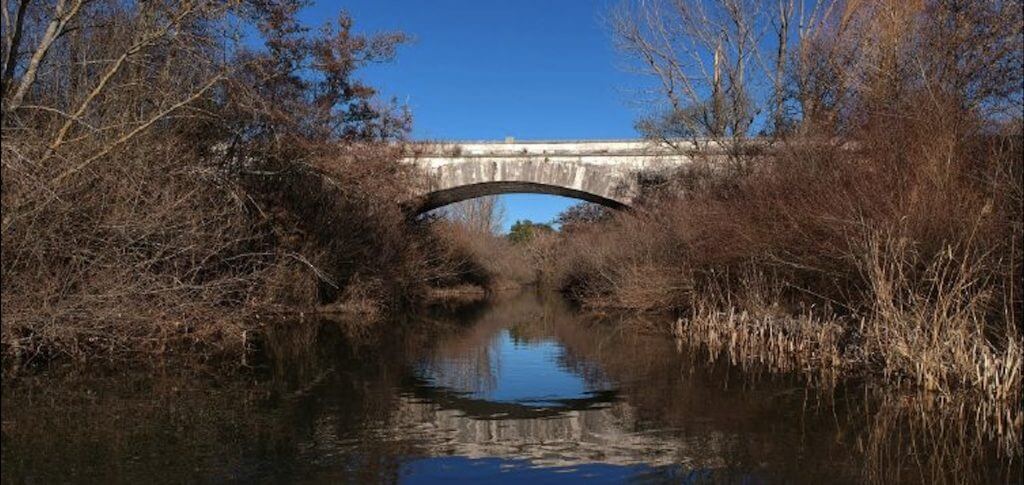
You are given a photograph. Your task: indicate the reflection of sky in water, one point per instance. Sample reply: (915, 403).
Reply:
(519, 371)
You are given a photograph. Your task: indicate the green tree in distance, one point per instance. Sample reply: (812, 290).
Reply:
(525, 230)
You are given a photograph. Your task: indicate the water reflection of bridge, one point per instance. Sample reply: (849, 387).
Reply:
(457, 418)
(574, 437)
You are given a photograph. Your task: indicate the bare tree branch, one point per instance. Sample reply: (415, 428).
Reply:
(63, 14)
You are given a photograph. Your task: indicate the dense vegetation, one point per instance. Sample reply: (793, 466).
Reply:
(863, 215)
(172, 170)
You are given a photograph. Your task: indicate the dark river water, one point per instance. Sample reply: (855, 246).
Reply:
(521, 389)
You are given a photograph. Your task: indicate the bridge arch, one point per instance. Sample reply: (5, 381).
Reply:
(598, 171)
(443, 197)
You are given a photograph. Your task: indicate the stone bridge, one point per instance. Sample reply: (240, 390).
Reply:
(603, 172)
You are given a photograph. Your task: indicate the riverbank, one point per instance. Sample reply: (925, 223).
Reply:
(885, 266)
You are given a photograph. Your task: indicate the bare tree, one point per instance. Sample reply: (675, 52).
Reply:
(483, 214)
(721, 65)
(156, 168)
(64, 12)
(86, 97)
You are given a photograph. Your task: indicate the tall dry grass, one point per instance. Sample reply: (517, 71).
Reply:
(942, 336)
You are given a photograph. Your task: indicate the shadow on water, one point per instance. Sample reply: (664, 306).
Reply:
(520, 388)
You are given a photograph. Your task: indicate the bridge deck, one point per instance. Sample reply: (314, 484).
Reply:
(541, 148)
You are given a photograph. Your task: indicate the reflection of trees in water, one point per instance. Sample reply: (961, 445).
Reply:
(761, 421)
(332, 406)
(476, 372)
(660, 417)
(912, 438)
(469, 360)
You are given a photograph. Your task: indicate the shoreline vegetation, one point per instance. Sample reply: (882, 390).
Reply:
(871, 227)
(163, 183)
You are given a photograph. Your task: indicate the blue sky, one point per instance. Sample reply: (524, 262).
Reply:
(484, 70)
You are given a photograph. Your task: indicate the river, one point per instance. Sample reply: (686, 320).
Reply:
(520, 389)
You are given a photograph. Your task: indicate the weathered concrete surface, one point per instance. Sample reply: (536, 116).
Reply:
(602, 172)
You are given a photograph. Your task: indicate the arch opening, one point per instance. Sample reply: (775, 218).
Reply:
(443, 197)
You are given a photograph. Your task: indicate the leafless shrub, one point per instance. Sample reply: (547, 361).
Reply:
(478, 257)
(161, 182)
(885, 208)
